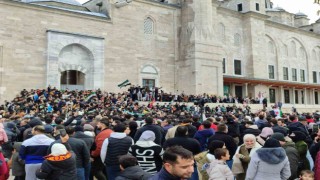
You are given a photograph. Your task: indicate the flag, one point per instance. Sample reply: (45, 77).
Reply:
(124, 84)
(88, 98)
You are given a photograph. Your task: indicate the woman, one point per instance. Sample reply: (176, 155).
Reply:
(59, 165)
(148, 153)
(265, 134)
(269, 162)
(243, 156)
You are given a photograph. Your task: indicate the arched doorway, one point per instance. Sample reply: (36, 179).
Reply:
(72, 80)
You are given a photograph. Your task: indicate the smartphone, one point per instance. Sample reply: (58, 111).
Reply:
(63, 132)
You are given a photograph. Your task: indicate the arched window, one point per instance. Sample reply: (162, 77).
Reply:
(221, 32)
(148, 26)
(237, 39)
(149, 70)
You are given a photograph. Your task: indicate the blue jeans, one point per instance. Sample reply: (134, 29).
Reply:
(229, 163)
(112, 171)
(87, 171)
(80, 174)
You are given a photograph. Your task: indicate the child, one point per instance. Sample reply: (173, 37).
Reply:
(218, 169)
(306, 175)
(17, 164)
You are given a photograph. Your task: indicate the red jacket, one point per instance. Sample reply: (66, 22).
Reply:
(213, 126)
(104, 134)
(4, 170)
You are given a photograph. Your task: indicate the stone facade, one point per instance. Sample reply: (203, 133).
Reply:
(205, 46)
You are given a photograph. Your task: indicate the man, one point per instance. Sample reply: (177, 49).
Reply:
(166, 125)
(130, 169)
(276, 128)
(301, 126)
(97, 165)
(33, 150)
(116, 145)
(222, 135)
(261, 122)
(178, 163)
(291, 152)
(158, 131)
(81, 151)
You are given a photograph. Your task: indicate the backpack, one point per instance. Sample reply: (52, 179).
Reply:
(202, 164)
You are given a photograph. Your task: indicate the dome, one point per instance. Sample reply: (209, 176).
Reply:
(71, 2)
(279, 8)
(300, 14)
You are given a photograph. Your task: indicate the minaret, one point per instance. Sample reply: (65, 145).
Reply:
(199, 71)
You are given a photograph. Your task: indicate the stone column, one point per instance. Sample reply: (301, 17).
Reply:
(281, 94)
(294, 95)
(245, 90)
(305, 96)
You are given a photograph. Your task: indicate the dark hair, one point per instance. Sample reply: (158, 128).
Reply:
(58, 120)
(215, 144)
(273, 121)
(218, 153)
(172, 153)
(261, 116)
(249, 122)
(70, 130)
(149, 120)
(133, 125)
(206, 124)
(222, 128)
(292, 117)
(39, 128)
(104, 121)
(127, 161)
(181, 131)
(48, 120)
(169, 121)
(119, 128)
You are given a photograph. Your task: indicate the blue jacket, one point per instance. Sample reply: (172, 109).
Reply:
(203, 136)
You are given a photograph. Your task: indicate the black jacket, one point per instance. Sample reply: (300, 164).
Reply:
(188, 143)
(133, 173)
(80, 149)
(87, 139)
(228, 140)
(158, 131)
(61, 168)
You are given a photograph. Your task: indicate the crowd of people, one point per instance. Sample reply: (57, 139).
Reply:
(62, 135)
(147, 94)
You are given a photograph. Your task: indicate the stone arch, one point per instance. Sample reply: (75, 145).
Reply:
(77, 52)
(150, 72)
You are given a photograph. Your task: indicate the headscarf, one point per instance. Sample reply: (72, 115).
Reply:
(147, 136)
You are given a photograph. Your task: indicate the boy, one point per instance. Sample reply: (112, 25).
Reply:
(218, 169)
(306, 175)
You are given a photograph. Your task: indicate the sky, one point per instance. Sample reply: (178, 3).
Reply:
(293, 6)
(305, 6)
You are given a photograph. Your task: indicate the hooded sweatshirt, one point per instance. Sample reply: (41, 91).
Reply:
(133, 173)
(269, 162)
(32, 150)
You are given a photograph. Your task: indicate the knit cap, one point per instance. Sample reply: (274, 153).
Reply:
(266, 132)
(58, 149)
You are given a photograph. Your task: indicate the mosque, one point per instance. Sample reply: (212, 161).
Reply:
(244, 48)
